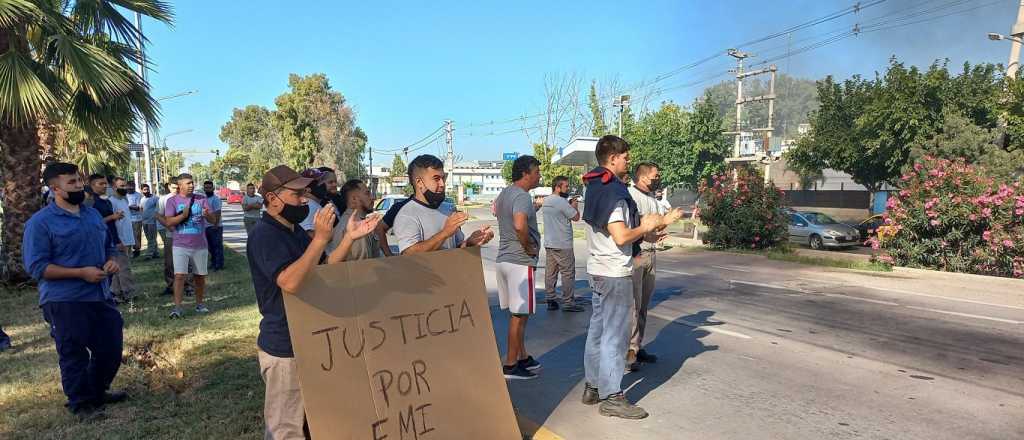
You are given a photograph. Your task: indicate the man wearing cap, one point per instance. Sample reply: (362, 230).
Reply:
(322, 189)
(69, 252)
(280, 255)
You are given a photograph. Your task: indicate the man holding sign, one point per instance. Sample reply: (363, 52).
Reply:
(280, 255)
(425, 224)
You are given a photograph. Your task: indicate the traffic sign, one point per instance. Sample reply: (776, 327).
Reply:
(510, 156)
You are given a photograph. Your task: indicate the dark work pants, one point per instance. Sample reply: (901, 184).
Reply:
(89, 342)
(215, 240)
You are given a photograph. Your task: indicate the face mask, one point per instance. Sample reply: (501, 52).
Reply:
(319, 191)
(75, 197)
(121, 192)
(209, 193)
(295, 214)
(131, 191)
(564, 194)
(654, 185)
(434, 199)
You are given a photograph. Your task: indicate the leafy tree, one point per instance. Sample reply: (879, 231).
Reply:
(796, 97)
(960, 139)
(254, 145)
(398, 169)
(600, 128)
(689, 148)
(71, 63)
(317, 127)
(548, 170)
(506, 172)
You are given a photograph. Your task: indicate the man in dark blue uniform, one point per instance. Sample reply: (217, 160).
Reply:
(69, 252)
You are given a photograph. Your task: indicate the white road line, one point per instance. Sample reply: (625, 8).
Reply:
(711, 329)
(876, 301)
(966, 315)
(970, 301)
(733, 268)
(676, 272)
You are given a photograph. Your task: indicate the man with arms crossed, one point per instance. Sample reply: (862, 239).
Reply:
(559, 212)
(425, 224)
(615, 230)
(518, 245)
(280, 255)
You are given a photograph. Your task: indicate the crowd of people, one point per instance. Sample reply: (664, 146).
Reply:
(300, 220)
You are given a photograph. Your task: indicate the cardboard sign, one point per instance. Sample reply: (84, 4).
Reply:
(400, 348)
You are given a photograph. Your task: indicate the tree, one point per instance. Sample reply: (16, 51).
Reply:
(688, 147)
(960, 139)
(69, 63)
(797, 97)
(548, 170)
(868, 128)
(317, 127)
(398, 169)
(506, 172)
(254, 145)
(597, 113)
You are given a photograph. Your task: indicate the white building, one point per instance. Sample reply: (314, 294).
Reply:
(484, 174)
(381, 183)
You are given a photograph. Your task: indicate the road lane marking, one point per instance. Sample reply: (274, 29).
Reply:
(676, 272)
(733, 268)
(966, 315)
(770, 286)
(876, 301)
(971, 301)
(689, 323)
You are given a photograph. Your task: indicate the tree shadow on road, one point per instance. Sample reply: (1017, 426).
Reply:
(674, 344)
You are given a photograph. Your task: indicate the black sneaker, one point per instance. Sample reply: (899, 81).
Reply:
(590, 396)
(88, 413)
(616, 405)
(530, 363)
(572, 308)
(517, 372)
(135, 254)
(645, 357)
(167, 291)
(110, 397)
(552, 305)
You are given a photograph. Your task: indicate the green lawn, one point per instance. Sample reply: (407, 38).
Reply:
(192, 378)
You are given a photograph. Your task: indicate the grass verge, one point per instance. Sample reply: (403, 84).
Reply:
(793, 257)
(196, 377)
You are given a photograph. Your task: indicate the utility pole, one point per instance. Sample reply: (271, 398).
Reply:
(373, 185)
(449, 138)
(405, 151)
(741, 100)
(623, 104)
(145, 126)
(740, 56)
(1015, 43)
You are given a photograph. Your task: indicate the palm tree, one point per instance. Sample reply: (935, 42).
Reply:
(67, 61)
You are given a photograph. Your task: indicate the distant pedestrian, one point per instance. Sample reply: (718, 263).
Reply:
(518, 246)
(122, 284)
(559, 212)
(98, 199)
(646, 181)
(281, 254)
(150, 204)
(215, 229)
(135, 212)
(615, 229)
(252, 208)
(186, 214)
(68, 251)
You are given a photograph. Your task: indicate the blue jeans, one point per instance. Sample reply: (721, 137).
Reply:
(604, 358)
(89, 341)
(215, 240)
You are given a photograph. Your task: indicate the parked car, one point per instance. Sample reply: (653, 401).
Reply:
(386, 202)
(820, 231)
(235, 197)
(869, 227)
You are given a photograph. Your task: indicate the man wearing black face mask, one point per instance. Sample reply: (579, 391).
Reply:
(646, 181)
(559, 212)
(69, 252)
(280, 255)
(215, 229)
(122, 285)
(323, 189)
(425, 224)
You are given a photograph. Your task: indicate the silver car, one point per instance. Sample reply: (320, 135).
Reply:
(820, 231)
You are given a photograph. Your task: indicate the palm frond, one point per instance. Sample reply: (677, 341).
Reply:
(104, 17)
(90, 69)
(24, 95)
(17, 11)
(155, 9)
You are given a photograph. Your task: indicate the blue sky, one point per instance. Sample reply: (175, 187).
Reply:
(406, 66)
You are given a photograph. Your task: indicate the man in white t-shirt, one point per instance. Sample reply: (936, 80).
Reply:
(122, 283)
(614, 232)
(646, 180)
(135, 208)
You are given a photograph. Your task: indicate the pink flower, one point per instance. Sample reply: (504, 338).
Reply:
(973, 217)
(987, 235)
(1019, 211)
(1008, 243)
(918, 166)
(934, 222)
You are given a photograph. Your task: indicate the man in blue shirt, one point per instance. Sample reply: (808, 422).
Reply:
(68, 251)
(214, 230)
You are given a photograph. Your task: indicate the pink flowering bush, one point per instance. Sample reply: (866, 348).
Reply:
(743, 212)
(950, 216)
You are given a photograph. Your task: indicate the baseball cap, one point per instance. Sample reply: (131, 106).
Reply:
(283, 176)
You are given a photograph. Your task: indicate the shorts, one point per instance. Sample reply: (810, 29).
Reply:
(182, 256)
(515, 288)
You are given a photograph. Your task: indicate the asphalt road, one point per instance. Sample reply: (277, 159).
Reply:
(757, 349)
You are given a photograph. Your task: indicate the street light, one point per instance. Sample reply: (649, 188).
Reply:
(1017, 41)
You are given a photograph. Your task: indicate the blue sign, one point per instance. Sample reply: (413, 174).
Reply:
(510, 156)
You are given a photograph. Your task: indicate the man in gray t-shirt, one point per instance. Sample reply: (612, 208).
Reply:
(559, 212)
(518, 244)
(425, 224)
